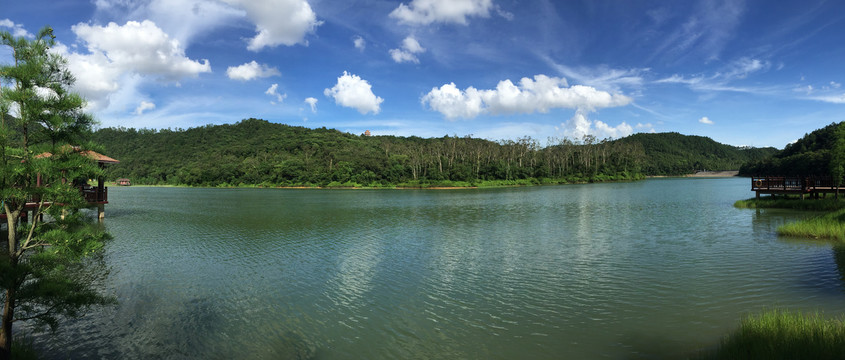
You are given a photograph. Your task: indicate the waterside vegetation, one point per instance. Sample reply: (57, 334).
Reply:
(256, 152)
(819, 153)
(830, 225)
(782, 334)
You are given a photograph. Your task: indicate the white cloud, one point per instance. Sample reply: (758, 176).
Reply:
(424, 12)
(410, 47)
(833, 99)
(647, 127)
(140, 47)
(539, 94)
(580, 126)
(454, 103)
(706, 121)
(352, 91)
(144, 106)
(116, 53)
(181, 19)
(278, 22)
(251, 70)
(17, 29)
(273, 91)
(606, 131)
(359, 42)
(705, 33)
(602, 77)
(313, 103)
(741, 68)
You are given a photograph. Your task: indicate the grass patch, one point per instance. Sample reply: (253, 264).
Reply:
(828, 226)
(792, 202)
(781, 334)
(23, 348)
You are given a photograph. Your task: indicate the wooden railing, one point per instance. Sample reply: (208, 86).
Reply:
(92, 195)
(791, 183)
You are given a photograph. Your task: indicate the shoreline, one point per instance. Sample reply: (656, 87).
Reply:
(727, 173)
(700, 174)
(829, 225)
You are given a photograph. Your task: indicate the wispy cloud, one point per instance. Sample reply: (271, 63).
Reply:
(602, 77)
(726, 79)
(704, 33)
(833, 99)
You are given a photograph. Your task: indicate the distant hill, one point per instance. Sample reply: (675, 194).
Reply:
(258, 152)
(676, 154)
(810, 155)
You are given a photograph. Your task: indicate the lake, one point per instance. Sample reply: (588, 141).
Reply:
(660, 268)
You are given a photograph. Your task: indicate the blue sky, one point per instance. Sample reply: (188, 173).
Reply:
(756, 73)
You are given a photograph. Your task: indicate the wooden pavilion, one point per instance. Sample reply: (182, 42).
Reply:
(94, 195)
(811, 186)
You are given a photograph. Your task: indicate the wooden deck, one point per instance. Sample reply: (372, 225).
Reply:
(94, 196)
(807, 185)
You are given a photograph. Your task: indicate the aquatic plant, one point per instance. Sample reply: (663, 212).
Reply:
(782, 334)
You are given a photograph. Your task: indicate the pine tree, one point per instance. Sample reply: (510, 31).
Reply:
(46, 236)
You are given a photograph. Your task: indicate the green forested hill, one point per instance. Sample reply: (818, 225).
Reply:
(675, 154)
(813, 154)
(262, 153)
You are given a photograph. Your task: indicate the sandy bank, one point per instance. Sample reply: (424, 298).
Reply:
(715, 174)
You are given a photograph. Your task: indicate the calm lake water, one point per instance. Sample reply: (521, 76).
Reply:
(660, 268)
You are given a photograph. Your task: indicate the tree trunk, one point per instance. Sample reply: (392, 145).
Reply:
(6, 331)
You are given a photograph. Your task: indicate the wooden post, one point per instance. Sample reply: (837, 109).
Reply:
(100, 188)
(101, 212)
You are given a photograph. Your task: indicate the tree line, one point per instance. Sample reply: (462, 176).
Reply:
(818, 153)
(258, 152)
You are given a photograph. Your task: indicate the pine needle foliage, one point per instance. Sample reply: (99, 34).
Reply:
(45, 237)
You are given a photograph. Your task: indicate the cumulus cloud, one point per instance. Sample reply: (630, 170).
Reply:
(454, 103)
(273, 91)
(360, 43)
(116, 52)
(539, 94)
(407, 53)
(251, 70)
(278, 22)
(17, 29)
(425, 12)
(144, 106)
(313, 103)
(181, 19)
(354, 92)
(706, 121)
(579, 126)
(140, 47)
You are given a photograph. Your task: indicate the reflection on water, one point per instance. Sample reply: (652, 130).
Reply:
(657, 268)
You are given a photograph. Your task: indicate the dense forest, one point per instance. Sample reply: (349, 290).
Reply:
(677, 154)
(819, 153)
(257, 152)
